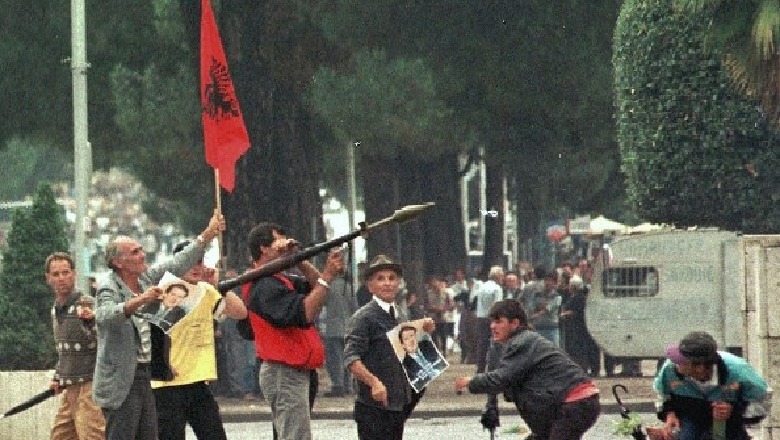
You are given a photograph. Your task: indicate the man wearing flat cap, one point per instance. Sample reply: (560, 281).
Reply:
(707, 393)
(385, 399)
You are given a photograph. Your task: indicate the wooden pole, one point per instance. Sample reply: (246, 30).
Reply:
(218, 204)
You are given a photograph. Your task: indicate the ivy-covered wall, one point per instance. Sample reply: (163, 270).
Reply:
(694, 151)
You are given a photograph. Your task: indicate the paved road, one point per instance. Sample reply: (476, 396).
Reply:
(449, 428)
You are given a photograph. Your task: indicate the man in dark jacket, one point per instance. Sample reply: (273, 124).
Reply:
(553, 394)
(384, 399)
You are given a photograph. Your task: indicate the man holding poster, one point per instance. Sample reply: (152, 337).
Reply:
(121, 384)
(385, 398)
(187, 397)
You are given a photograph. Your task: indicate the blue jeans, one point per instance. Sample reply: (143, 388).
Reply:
(249, 376)
(241, 360)
(693, 431)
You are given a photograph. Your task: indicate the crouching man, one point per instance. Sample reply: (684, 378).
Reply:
(553, 394)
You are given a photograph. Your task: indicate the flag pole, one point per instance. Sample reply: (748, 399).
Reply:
(218, 204)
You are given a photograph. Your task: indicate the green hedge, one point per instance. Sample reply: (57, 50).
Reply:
(694, 151)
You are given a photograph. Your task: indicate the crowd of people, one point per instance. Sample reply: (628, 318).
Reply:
(123, 376)
(554, 300)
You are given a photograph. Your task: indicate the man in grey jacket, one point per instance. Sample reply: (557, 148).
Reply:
(121, 384)
(555, 397)
(339, 307)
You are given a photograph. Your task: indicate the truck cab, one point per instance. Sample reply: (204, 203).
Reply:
(649, 290)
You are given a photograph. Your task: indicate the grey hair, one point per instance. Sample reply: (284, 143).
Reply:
(495, 271)
(113, 252)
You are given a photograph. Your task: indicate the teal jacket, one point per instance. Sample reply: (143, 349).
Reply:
(737, 383)
(741, 380)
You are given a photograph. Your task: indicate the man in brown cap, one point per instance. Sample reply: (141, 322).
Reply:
(385, 398)
(706, 393)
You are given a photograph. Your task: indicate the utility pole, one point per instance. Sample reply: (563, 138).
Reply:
(82, 153)
(352, 190)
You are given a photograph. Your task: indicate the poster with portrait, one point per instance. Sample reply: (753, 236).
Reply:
(417, 353)
(177, 300)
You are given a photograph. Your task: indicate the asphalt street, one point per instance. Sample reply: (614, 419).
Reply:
(449, 428)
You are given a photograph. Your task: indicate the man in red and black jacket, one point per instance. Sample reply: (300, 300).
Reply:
(282, 310)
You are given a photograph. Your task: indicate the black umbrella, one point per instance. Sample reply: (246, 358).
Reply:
(637, 432)
(29, 403)
(489, 419)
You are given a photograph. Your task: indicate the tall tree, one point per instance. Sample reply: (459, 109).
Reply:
(391, 107)
(273, 53)
(29, 161)
(26, 340)
(531, 80)
(269, 50)
(32, 75)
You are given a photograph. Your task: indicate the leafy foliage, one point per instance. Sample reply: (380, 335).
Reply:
(627, 426)
(32, 77)
(390, 106)
(30, 161)
(747, 33)
(529, 81)
(157, 113)
(26, 339)
(694, 151)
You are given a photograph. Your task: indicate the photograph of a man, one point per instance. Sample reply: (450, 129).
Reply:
(421, 360)
(168, 310)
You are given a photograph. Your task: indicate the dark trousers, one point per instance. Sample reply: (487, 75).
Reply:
(334, 363)
(374, 423)
(483, 343)
(570, 422)
(193, 404)
(443, 331)
(136, 418)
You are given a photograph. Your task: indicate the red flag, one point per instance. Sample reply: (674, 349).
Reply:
(224, 131)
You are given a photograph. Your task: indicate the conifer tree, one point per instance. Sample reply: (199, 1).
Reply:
(26, 339)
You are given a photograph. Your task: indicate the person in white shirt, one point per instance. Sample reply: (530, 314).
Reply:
(487, 294)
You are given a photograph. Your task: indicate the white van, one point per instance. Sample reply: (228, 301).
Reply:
(651, 289)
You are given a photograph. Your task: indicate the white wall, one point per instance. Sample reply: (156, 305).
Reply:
(35, 423)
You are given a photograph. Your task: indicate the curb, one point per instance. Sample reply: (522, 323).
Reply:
(264, 414)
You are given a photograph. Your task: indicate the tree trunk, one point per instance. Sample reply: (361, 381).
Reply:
(278, 178)
(379, 179)
(445, 247)
(430, 244)
(493, 254)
